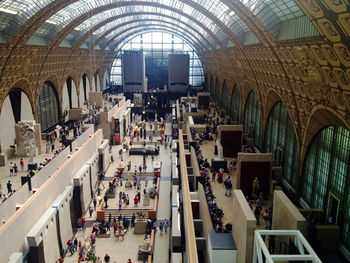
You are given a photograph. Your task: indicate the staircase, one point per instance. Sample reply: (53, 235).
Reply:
(125, 212)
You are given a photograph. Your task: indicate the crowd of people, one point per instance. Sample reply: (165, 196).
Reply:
(216, 213)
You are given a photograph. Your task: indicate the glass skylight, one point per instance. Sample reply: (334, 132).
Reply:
(83, 7)
(118, 35)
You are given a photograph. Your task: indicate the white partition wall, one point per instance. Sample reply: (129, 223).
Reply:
(13, 232)
(61, 204)
(43, 238)
(104, 151)
(82, 181)
(93, 163)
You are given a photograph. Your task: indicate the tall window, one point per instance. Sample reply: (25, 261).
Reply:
(211, 86)
(281, 141)
(217, 92)
(236, 106)
(48, 110)
(326, 170)
(252, 119)
(225, 97)
(157, 46)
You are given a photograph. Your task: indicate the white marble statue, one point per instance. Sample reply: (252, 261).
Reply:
(145, 245)
(26, 139)
(220, 149)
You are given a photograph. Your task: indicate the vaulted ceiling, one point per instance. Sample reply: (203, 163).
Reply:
(206, 24)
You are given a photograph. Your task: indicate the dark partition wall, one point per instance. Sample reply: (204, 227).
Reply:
(203, 101)
(250, 170)
(231, 142)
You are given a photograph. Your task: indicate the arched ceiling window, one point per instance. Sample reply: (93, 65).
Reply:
(156, 47)
(214, 20)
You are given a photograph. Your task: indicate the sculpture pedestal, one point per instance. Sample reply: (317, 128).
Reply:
(3, 160)
(146, 201)
(140, 226)
(143, 256)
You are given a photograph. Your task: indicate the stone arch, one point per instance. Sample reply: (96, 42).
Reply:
(16, 106)
(96, 81)
(235, 98)
(320, 117)
(69, 94)
(105, 79)
(84, 89)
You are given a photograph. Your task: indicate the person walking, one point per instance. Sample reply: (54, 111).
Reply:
(213, 176)
(9, 187)
(166, 224)
(136, 200)
(161, 228)
(107, 258)
(11, 168)
(146, 181)
(257, 214)
(90, 211)
(21, 162)
(95, 202)
(75, 244)
(120, 203)
(105, 198)
(15, 169)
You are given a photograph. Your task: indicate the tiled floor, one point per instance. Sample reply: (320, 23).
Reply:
(121, 251)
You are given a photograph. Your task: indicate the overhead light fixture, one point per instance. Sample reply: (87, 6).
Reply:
(8, 11)
(51, 22)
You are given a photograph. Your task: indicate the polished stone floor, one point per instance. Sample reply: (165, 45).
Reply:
(121, 251)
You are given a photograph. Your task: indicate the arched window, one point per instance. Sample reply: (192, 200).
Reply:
(211, 86)
(84, 86)
(326, 176)
(236, 106)
(281, 141)
(48, 109)
(252, 119)
(206, 82)
(69, 88)
(157, 46)
(217, 92)
(225, 97)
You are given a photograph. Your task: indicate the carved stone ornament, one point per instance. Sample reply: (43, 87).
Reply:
(342, 78)
(315, 78)
(329, 30)
(313, 8)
